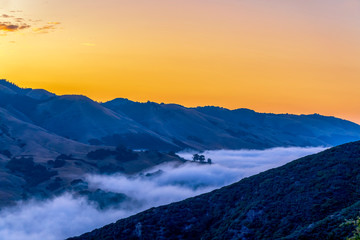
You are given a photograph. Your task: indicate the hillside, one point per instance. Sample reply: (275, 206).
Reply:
(169, 127)
(36, 163)
(86, 120)
(221, 128)
(306, 199)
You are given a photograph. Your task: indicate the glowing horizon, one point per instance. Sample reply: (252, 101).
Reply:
(281, 57)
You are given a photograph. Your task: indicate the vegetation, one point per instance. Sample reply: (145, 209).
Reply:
(121, 153)
(124, 154)
(32, 173)
(6, 153)
(100, 154)
(65, 157)
(356, 232)
(104, 199)
(306, 199)
(201, 158)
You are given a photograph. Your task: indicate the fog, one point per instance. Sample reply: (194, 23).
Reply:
(67, 215)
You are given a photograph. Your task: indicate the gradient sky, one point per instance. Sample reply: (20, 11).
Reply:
(299, 56)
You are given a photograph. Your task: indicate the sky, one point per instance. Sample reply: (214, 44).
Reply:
(277, 56)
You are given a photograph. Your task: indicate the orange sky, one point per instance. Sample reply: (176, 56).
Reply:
(297, 56)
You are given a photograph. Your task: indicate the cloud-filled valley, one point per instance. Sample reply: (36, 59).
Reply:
(69, 215)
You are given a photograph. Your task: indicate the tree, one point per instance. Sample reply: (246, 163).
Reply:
(196, 157)
(202, 158)
(209, 161)
(356, 232)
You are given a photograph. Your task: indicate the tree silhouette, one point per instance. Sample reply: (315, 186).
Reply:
(196, 157)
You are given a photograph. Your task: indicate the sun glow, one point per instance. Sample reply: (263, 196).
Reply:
(297, 57)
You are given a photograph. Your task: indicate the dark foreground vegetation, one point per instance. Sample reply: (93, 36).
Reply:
(308, 198)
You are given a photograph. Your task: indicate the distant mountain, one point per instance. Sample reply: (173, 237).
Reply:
(217, 128)
(306, 199)
(170, 127)
(78, 118)
(11, 88)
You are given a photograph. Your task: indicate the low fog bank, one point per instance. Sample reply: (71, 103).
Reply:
(254, 160)
(67, 215)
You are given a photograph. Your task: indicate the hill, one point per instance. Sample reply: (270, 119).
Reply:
(220, 128)
(306, 199)
(169, 127)
(217, 128)
(86, 120)
(36, 163)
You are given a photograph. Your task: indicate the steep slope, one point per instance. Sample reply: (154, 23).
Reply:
(216, 128)
(306, 199)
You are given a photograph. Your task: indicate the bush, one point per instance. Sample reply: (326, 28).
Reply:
(31, 172)
(100, 154)
(6, 153)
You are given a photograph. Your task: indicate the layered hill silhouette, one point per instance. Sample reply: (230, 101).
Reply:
(169, 127)
(35, 162)
(48, 143)
(308, 198)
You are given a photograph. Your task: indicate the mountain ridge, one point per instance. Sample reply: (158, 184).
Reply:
(170, 127)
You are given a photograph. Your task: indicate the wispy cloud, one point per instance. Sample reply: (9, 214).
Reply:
(50, 26)
(54, 23)
(10, 27)
(6, 16)
(14, 23)
(19, 19)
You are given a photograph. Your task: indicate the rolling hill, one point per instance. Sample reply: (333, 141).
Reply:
(220, 128)
(170, 127)
(36, 163)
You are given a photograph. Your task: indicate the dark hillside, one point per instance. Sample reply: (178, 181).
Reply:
(306, 199)
(220, 128)
(169, 127)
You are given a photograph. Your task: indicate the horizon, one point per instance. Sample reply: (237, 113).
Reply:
(196, 106)
(282, 57)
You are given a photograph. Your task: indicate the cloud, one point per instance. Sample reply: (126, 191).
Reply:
(255, 159)
(54, 23)
(9, 27)
(46, 28)
(67, 215)
(6, 16)
(54, 219)
(19, 19)
(14, 24)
